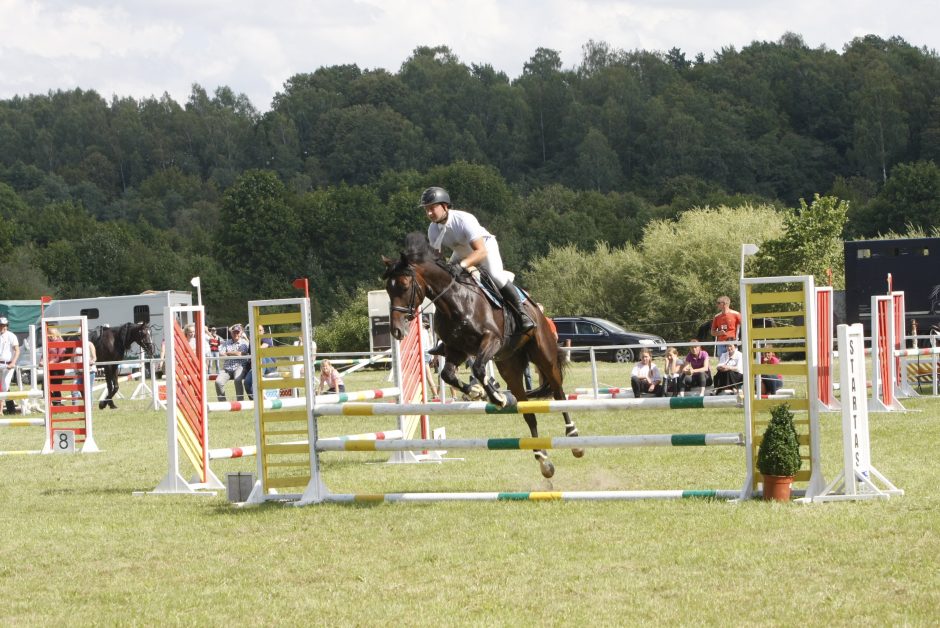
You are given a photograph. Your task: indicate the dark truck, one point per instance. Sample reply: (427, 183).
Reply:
(914, 265)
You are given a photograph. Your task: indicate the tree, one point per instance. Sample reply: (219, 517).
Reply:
(258, 239)
(811, 243)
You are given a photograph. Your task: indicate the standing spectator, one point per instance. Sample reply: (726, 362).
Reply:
(645, 378)
(234, 367)
(56, 354)
(190, 332)
(9, 354)
(696, 371)
(330, 378)
(214, 343)
(726, 322)
(91, 357)
(672, 373)
(729, 374)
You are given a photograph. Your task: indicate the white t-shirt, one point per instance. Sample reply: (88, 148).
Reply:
(457, 233)
(642, 371)
(731, 360)
(8, 344)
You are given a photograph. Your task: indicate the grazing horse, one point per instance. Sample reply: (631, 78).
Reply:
(470, 326)
(111, 343)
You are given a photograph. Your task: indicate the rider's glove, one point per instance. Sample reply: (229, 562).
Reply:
(455, 269)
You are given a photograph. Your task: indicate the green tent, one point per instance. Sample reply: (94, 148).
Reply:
(21, 314)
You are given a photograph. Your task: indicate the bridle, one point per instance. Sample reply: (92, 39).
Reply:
(412, 311)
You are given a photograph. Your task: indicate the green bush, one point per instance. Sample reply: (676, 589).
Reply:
(779, 452)
(348, 328)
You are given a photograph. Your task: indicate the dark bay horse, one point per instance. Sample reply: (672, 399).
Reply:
(470, 326)
(111, 343)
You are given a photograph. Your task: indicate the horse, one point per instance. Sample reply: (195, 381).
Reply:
(470, 326)
(111, 343)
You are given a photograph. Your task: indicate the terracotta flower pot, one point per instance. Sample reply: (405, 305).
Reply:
(777, 487)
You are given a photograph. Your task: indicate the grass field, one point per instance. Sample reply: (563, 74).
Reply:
(77, 548)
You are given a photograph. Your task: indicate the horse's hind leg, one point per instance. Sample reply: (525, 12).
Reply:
(541, 456)
(550, 371)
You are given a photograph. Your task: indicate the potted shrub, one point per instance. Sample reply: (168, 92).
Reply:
(778, 457)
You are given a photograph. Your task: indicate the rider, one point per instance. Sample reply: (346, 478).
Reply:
(472, 245)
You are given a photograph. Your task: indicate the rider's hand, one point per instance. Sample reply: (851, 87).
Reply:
(455, 269)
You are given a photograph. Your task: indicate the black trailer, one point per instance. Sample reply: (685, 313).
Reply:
(914, 266)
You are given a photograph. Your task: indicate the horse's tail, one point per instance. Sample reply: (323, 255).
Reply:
(545, 389)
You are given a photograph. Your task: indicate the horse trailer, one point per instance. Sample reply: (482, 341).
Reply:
(146, 307)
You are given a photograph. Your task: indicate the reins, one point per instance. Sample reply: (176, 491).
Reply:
(412, 311)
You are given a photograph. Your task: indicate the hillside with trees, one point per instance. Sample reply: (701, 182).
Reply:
(635, 172)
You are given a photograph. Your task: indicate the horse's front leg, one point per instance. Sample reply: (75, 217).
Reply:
(479, 373)
(110, 378)
(541, 456)
(449, 373)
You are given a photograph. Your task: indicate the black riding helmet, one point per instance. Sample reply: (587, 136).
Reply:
(434, 195)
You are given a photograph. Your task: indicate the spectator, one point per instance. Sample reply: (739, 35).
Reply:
(672, 373)
(770, 384)
(9, 354)
(190, 332)
(214, 343)
(330, 378)
(696, 371)
(91, 357)
(726, 322)
(645, 378)
(729, 374)
(56, 354)
(234, 367)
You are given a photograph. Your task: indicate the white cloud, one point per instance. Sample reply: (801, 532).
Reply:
(147, 48)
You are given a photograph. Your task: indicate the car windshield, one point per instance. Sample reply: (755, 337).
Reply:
(615, 327)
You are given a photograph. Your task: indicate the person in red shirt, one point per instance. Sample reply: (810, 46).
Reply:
(726, 323)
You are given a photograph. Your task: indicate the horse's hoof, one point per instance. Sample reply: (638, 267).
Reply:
(548, 469)
(499, 399)
(577, 453)
(101, 405)
(476, 392)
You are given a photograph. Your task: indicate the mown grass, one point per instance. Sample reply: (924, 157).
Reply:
(77, 548)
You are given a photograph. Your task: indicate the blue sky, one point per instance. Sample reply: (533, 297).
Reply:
(148, 47)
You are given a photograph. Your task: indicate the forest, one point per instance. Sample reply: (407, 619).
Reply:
(645, 165)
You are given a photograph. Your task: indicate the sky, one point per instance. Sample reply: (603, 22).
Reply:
(144, 48)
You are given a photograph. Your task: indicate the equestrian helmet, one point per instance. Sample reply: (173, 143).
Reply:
(434, 195)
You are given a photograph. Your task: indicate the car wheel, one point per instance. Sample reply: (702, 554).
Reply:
(623, 355)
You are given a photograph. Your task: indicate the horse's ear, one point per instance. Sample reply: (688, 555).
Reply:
(388, 262)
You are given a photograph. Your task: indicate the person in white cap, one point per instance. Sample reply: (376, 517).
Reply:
(233, 368)
(9, 354)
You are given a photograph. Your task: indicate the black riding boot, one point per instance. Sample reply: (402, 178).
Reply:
(10, 407)
(440, 349)
(511, 296)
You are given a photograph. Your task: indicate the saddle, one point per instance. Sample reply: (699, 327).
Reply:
(485, 281)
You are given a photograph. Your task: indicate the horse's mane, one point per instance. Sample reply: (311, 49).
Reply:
(417, 248)
(416, 251)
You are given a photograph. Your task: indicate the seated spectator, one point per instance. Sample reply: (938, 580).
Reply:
(770, 384)
(645, 377)
(696, 372)
(235, 366)
(729, 374)
(672, 373)
(330, 379)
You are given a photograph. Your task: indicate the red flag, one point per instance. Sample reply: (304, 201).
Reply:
(301, 284)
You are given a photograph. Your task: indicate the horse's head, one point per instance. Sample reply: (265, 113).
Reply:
(405, 290)
(144, 339)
